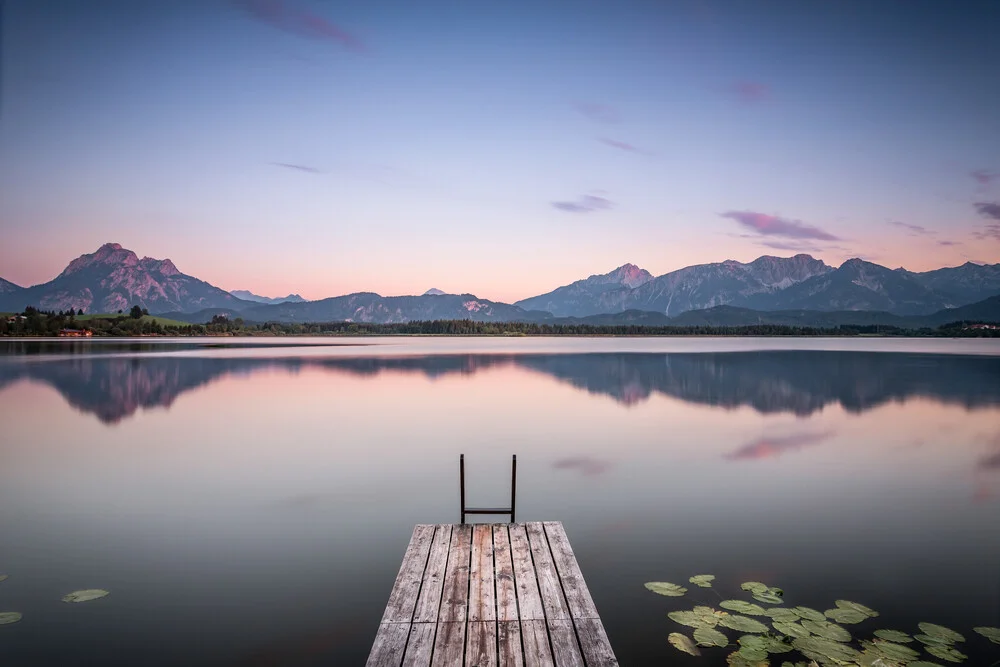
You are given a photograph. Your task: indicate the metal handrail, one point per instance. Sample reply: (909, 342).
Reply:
(488, 510)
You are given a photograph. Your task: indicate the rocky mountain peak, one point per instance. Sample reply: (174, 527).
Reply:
(107, 254)
(434, 291)
(628, 275)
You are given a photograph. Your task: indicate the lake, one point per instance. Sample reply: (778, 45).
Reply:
(248, 502)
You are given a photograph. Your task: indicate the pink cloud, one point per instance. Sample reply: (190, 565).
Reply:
(584, 464)
(601, 113)
(298, 167)
(621, 145)
(988, 209)
(774, 446)
(300, 22)
(985, 176)
(913, 230)
(772, 225)
(750, 92)
(585, 204)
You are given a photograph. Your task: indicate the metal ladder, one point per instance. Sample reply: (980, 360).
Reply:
(488, 510)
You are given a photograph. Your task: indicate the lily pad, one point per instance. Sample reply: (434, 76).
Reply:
(894, 636)
(768, 597)
(946, 653)
(845, 615)
(743, 607)
(737, 659)
(710, 637)
(775, 645)
(827, 630)
(742, 623)
(753, 586)
(752, 653)
(691, 619)
(923, 663)
(896, 652)
(666, 588)
(8, 617)
(856, 606)
(709, 616)
(993, 634)
(940, 631)
(3, 577)
(703, 580)
(824, 650)
(811, 614)
(682, 643)
(790, 629)
(933, 641)
(783, 614)
(85, 595)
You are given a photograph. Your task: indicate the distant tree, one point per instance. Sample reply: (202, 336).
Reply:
(145, 311)
(119, 311)
(135, 313)
(80, 312)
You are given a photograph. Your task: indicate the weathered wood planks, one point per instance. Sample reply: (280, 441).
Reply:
(491, 595)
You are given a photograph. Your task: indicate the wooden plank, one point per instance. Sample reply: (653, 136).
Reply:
(548, 578)
(449, 645)
(481, 648)
(565, 648)
(578, 599)
(420, 645)
(529, 600)
(429, 602)
(455, 597)
(390, 643)
(509, 652)
(506, 590)
(403, 598)
(594, 643)
(482, 584)
(535, 636)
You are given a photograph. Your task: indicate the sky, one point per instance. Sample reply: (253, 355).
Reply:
(500, 149)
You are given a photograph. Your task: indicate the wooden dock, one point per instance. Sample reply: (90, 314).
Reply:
(491, 595)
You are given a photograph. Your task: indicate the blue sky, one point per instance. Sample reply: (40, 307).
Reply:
(497, 148)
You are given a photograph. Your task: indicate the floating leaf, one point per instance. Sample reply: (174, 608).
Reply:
(753, 586)
(993, 634)
(791, 629)
(896, 652)
(825, 650)
(743, 607)
(946, 653)
(775, 645)
(894, 636)
(691, 619)
(845, 615)
(856, 606)
(742, 623)
(933, 641)
(782, 614)
(940, 631)
(665, 588)
(811, 614)
(85, 595)
(753, 648)
(3, 577)
(7, 617)
(703, 580)
(827, 630)
(709, 616)
(737, 659)
(682, 643)
(768, 597)
(922, 663)
(710, 637)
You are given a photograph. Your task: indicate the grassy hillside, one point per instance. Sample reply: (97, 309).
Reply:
(162, 321)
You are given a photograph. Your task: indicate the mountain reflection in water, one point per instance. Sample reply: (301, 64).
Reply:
(796, 382)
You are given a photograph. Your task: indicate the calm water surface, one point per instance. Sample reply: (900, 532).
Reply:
(249, 504)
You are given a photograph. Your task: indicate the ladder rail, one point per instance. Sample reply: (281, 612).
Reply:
(488, 510)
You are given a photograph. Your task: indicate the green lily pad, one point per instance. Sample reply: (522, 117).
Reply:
(768, 597)
(775, 645)
(933, 641)
(8, 617)
(709, 616)
(946, 653)
(825, 650)
(856, 606)
(85, 595)
(666, 588)
(710, 637)
(743, 607)
(682, 643)
(737, 659)
(894, 636)
(783, 614)
(691, 619)
(845, 615)
(742, 623)
(3, 577)
(827, 630)
(753, 586)
(790, 629)
(940, 631)
(923, 663)
(811, 614)
(896, 652)
(993, 634)
(753, 654)
(703, 580)
(752, 642)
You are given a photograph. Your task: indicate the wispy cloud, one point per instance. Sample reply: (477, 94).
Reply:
(948, 243)
(599, 113)
(622, 145)
(585, 465)
(988, 209)
(985, 176)
(772, 225)
(584, 204)
(284, 16)
(788, 245)
(298, 167)
(750, 92)
(771, 447)
(912, 230)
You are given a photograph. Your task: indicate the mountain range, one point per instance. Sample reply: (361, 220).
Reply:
(799, 289)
